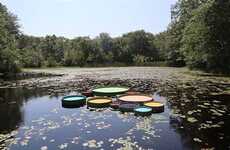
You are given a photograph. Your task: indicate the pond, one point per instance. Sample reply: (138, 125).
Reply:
(31, 119)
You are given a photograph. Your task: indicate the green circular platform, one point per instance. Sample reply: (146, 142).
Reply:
(110, 91)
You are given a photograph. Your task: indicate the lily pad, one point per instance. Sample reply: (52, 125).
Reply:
(192, 119)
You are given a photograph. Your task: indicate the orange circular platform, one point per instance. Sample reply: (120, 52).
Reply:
(135, 98)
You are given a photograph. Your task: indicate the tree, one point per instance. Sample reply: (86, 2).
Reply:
(206, 42)
(78, 51)
(181, 13)
(173, 56)
(121, 53)
(29, 51)
(160, 42)
(8, 30)
(105, 42)
(140, 43)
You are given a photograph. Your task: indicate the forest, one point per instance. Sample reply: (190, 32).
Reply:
(197, 37)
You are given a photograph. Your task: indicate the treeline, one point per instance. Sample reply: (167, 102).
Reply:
(198, 36)
(134, 48)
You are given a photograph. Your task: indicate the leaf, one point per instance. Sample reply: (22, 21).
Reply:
(192, 119)
(44, 148)
(197, 140)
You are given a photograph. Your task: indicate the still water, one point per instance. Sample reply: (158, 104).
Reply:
(37, 121)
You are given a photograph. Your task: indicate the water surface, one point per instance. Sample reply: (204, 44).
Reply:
(38, 121)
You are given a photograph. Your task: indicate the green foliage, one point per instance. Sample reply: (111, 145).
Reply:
(8, 32)
(121, 52)
(50, 62)
(206, 43)
(172, 52)
(195, 40)
(169, 47)
(198, 36)
(160, 44)
(140, 60)
(106, 50)
(73, 58)
(29, 52)
(140, 42)
(181, 13)
(31, 58)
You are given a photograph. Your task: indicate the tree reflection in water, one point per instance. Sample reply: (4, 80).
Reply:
(11, 107)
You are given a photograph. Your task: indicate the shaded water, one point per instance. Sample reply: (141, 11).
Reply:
(35, 120)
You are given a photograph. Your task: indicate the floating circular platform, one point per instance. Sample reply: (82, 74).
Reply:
(73, 101)
(157, 107)
(143, 111)
(99, 102)
(110, 91)
(127, 107)
(135, 98)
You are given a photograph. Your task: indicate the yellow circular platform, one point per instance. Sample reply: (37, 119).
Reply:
(99, 102)
(157, 107)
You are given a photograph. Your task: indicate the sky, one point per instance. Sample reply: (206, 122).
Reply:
(72, 18)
